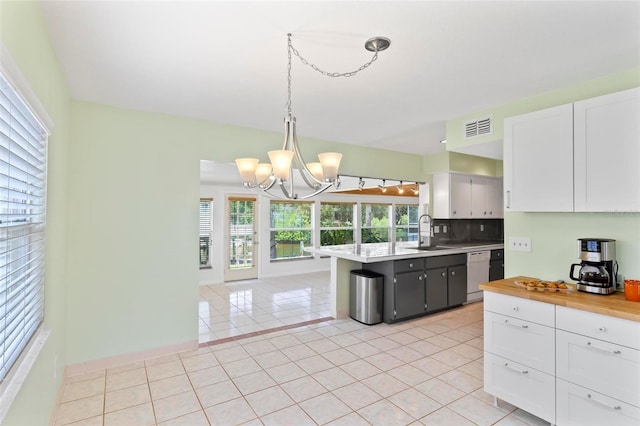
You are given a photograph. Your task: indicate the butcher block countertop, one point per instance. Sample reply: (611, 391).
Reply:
(614, 305)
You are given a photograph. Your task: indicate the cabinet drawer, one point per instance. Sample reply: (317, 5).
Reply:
(611, 369)
(603, 327)
(583, 407)
(523, 341)
(497, 254)
(517, 307)
(522, 386)
(408, 265)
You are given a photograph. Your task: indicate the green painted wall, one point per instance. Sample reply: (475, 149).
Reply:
(584, 90)
(553, 235)
(23, 34)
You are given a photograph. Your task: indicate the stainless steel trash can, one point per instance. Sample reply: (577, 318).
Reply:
(365, 296)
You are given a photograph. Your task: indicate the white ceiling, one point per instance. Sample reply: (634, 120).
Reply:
(225, 61)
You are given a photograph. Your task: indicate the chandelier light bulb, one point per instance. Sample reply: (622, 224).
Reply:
(281, 163)
(247, 169)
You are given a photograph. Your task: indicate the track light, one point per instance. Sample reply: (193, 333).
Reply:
(400, 188)
(383, 187)
(360, 184)
(415, 189)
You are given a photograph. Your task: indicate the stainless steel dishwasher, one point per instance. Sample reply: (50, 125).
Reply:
(477, 272)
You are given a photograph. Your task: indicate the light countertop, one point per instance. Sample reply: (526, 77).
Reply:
(614, 305)
(380, 252)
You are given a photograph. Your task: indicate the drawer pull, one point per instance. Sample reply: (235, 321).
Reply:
(515, 308)
(612, 351)
(506, 364)
(516, 325)
(602, 329)
(613, 407)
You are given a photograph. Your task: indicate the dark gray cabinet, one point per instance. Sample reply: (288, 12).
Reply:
(415, 287)
(409, 297)
(496, 265)
(436, 289)
(457, 285)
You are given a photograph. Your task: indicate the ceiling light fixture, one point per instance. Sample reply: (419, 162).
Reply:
(400, 188)
(383, 187)
(416, 189)
(360, 184)
(317, 176)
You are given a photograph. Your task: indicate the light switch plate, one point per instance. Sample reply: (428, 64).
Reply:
(520, 243)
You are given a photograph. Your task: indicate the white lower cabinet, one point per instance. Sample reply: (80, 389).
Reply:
(566, 366)
(520, 385)
(611, 369)
(579, 406)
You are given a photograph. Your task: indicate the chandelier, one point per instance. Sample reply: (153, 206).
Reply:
(318, 176)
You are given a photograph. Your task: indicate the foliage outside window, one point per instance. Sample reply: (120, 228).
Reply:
(241, 228)
(406, 219)
(290, 230)
(375, 223)
(336, 223)
(206, 231)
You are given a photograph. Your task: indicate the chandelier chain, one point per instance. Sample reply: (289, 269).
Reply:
(326, 73)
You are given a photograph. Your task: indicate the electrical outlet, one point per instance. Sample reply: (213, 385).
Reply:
(520, 243)
(444, 229)
(481, 228)
(436, 229)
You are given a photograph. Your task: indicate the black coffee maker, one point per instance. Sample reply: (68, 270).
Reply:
(599, 268)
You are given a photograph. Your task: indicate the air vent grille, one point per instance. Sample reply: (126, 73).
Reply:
(477, 127)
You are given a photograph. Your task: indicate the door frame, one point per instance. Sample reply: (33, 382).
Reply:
(243, 273)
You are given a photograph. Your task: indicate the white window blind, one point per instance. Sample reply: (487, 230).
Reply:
(206, 231)
(23, 153)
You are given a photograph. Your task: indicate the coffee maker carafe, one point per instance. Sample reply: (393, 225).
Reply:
(598, 269)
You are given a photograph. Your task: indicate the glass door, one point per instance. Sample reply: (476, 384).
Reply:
(241, 248)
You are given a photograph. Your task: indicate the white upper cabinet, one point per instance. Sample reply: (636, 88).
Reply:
(607, 153)
(538, 161)
(465, 196)
(579, 157)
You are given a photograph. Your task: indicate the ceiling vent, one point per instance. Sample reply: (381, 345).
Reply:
(478, 127)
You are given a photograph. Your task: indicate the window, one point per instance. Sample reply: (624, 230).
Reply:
(375, 223)
(206, 231)
(23, 158)
(406, 219)
(291, 229)
(336, 223)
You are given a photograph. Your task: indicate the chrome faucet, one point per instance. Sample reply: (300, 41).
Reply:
(430, 222)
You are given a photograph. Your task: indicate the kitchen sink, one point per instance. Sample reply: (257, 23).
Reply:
(432, 248)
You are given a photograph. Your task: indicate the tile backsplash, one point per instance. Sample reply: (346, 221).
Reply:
(465, 230)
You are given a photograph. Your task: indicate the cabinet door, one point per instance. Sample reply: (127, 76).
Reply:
(579, 406)
(409, 294)
(495, 206)
(460, 193)
(520, 385)
(606, 367)
(496, 270)
(479, 195)
(538, 161)
(436, 288)
(607, 153)
(457, 285)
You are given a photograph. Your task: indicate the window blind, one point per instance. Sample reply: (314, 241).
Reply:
(23, 159)
(206, 231)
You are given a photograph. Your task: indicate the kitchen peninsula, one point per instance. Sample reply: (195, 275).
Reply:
(401, 258)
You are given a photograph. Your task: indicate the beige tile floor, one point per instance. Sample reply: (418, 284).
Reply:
(426, 371)
(242, 307)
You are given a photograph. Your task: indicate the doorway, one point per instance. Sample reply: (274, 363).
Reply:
(241, 247)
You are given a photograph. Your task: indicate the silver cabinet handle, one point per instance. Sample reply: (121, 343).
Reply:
(600, 348)
(411, 265)
(506, 364)
(613, 407)
(453, 272)
(444, 274)
(420, 277)
(515, 325)
(508, 199)
(515, 308)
